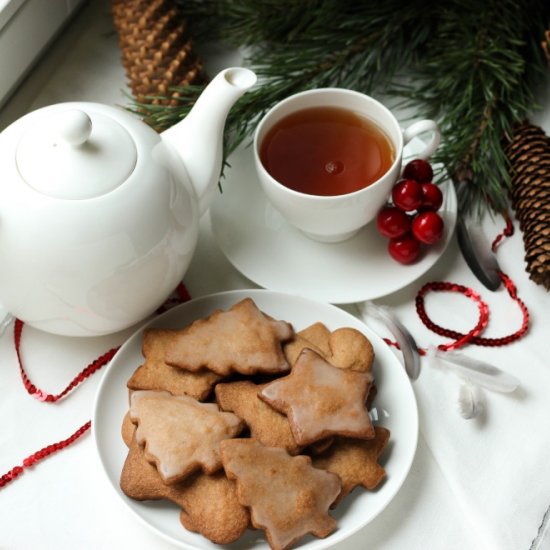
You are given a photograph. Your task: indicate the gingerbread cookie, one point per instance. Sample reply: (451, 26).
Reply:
(268, 426)
(209, 502)
(156, 374)
(127, 429)
(242, 339)
(179, 433)
(318, 335)
(315, 337)
(288, 498)
(345, 348)
(211, 507)
(321, 400)
(355, 461)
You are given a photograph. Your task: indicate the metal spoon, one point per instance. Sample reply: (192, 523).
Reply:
(403, 337)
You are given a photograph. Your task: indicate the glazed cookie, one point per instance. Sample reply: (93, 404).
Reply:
(127, 429)
(321, 400)
(180, 434)
(242, 339)
(287, 497)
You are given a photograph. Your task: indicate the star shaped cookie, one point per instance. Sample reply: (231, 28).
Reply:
(321, 400)
(287, 497)
(242, 339)
(355, 461)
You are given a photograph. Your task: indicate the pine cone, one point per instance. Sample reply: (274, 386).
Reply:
(157, 51)
(529, 156)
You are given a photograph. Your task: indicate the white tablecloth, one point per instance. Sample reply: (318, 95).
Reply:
(473, 484)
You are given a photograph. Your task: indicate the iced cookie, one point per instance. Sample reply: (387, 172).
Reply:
(287, 497)
(156, 374)
(180, 434)
(127, 429)
(321, 400)
(242, 339)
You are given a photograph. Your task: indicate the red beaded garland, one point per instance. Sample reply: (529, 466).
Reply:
(508, 231)
(98, 363)
(42, 454)
(460, 339)
(473, 336)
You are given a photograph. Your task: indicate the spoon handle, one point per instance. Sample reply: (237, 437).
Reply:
(403, 337)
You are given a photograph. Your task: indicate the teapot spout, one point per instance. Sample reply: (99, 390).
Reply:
(198, 138)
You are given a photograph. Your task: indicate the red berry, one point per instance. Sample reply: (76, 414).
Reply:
(404, 249)
(432, 197)
(419, 170)
(392, 222)
(407, 195)
(427, 227)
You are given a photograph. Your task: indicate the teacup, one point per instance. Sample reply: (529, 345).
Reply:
(337, 217)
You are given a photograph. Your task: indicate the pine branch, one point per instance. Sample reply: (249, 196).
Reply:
(475, 67)
(495, 65)
(247, 22)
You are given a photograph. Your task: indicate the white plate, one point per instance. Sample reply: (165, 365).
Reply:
(395, 403)
(262, 246)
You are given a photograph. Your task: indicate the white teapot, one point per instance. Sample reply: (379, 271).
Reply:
(99, 213)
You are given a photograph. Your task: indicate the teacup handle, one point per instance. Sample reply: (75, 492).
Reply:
(421, 127)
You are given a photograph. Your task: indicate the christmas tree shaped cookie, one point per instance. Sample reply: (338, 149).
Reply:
(180, 435)
(241, 339)
(287, 497)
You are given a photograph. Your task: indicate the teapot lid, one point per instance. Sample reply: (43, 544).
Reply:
(73, 154)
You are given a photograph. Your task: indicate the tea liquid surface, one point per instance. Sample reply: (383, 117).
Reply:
(326, 151)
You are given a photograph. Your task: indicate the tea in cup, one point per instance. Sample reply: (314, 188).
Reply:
(328, 158)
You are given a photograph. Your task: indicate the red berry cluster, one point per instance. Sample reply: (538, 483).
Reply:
(412, 219)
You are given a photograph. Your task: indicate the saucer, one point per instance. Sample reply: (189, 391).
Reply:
(257, 240)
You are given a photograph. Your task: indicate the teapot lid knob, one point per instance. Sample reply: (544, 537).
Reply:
(75, 151)
(74, 127)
